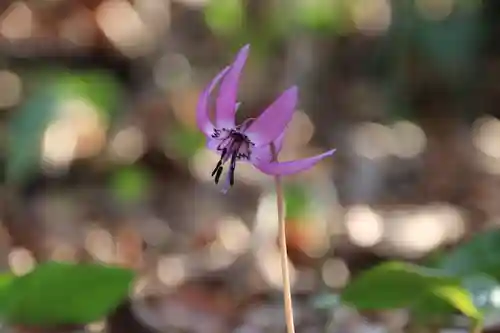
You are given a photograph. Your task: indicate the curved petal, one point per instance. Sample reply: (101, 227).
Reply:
(202, 118)
(226, 101)
(263, 154)
(291, 167)
(273, 121)
(278, 143)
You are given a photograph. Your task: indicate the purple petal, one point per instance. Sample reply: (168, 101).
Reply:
(202, 118)
(212, 144)
(291, 167)
(278, 143)
(226, 101)
(264, 154)
(273, 121)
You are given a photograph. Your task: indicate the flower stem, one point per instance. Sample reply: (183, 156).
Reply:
(477, 326)
(287, 295)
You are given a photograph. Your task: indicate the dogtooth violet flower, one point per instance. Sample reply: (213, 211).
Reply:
(251, 140)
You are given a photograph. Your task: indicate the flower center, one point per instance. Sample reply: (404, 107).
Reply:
(234, 146)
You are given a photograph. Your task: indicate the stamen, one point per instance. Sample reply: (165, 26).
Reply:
(216, 168)
(217, 174)
(232, 168)
(224, 152)
(219, 164)
(233, 145)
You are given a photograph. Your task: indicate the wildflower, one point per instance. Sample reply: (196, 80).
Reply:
(250, 141)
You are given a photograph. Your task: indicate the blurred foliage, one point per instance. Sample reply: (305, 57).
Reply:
(130, 183)
(322, 16)
(477, 255)
(43, 106)
(226, 17)
(296, 201)
(26, 130)
(465, 280)
(451, 43)
(186, 141)
(61, 293)
(395, 285)
(100, 88)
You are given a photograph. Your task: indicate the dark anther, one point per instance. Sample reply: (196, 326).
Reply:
(231, 177)
(232, 168)
(219, 164)
(217, 167)
(218, 172)
(234, 145)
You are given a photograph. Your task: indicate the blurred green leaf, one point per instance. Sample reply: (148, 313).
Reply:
(451, 43)
(448, 37)
(25, 133)
(225, 17)
(479, 287)
(186, 141)
(130, 183)
(321, 15)
(28, 124)
(99, 88)
(5, 281)
(296, 200)
(60, 293)
(400, 285)
(434, 258)
(478, 255)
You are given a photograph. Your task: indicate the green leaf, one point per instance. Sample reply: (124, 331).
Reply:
(480, 288)
(479, 255)
(61, 293)
(459, 297)
(400, 285)
(5, 282)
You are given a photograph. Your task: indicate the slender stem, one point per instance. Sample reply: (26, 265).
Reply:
(477, 326)
(287, 294)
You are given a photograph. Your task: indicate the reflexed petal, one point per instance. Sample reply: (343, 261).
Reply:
(226, 101)
(264, 154)
(291, 167)
(202, 118)
(273, 121)
(278, 143)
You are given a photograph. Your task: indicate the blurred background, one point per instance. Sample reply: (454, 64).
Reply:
(102, 160)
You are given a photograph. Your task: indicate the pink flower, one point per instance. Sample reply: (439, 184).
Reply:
(250, 141)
